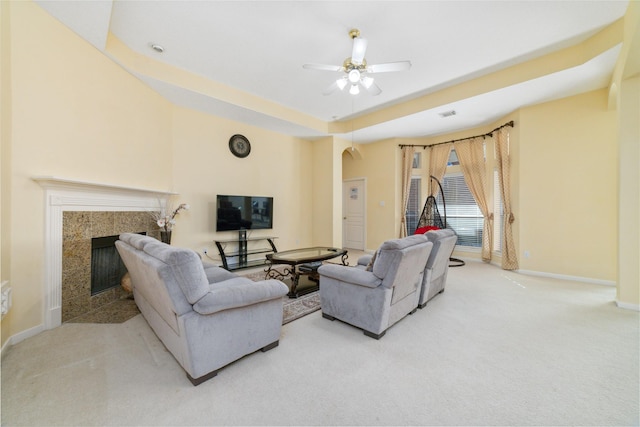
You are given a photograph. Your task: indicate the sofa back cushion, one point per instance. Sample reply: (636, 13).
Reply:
(186, 267)
(400, 263)
(444, 241)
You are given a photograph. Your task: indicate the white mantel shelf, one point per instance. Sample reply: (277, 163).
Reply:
(54, 182)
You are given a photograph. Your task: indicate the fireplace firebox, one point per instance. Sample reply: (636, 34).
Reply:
(107, 267)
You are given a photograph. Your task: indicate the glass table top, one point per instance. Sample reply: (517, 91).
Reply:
(318, 253)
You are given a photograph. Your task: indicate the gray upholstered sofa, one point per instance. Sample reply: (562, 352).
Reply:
(206, 316)
(435, 272)
(375, 297)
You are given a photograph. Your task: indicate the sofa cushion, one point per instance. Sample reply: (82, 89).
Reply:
(389, 252)
(238, 292)
(404, 242)
(186, 267)
(138, 241)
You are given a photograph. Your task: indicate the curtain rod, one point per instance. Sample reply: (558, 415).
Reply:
(484, 135)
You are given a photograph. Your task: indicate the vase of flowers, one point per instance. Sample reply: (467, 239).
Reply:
(165, 237)
(167, 221)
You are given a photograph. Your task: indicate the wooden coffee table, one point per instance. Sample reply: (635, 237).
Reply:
(301, 262)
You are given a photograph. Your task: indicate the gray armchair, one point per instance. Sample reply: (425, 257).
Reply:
(205, 316)
(437, 267)
(375, 297)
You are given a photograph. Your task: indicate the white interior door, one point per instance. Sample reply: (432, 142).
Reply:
(353, 214)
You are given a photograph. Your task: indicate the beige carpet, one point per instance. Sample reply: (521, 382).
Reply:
(496, 348)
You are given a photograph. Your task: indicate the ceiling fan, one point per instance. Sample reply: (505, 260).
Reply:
(357, 70)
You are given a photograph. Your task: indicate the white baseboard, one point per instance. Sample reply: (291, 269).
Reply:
(21, 336)
(5, 347)
(627, 306)
(567, 277)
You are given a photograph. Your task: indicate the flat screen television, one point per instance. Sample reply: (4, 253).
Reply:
(244, 213)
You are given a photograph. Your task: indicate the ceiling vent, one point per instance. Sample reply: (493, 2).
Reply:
(448, 113)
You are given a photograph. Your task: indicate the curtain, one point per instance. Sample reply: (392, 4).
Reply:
(438, 159)
(471, 156)
(509, 255)
(407, 168)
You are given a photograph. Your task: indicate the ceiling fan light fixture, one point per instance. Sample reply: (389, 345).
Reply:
(354, 89)
(342, 83)
(354, 76)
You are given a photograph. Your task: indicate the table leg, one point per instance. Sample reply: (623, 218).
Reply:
(287, 272)
(295, 279)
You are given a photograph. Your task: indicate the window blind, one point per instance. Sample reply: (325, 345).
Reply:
(463, 214)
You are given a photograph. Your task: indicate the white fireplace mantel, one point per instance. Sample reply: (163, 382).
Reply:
(60, 195)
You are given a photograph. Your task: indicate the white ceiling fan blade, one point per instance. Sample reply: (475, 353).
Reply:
(330, 89)
(323, 67)
(340, 84)
(359, 48)
(389, 66)
(373, 88)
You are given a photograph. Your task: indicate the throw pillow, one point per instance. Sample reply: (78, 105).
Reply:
(423, 230)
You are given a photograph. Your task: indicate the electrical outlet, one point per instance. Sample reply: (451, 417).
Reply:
(527, 254)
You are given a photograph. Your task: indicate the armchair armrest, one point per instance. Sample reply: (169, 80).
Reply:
(235, 295)
(216, 274)
(351, 275)
(365, 259)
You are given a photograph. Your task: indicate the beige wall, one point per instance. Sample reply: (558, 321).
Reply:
(567, 187)
(378, 163)
(278, 166)
(629, 177)
(5, 156)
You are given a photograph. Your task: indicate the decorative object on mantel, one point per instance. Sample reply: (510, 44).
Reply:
(166, 222)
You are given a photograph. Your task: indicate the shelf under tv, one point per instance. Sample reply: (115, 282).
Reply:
(241, 251)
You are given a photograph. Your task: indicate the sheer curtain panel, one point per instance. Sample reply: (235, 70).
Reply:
(471, 156)
(438, 159)
(407, 168)
(509, 255)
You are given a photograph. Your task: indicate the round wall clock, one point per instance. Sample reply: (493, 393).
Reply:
(239, 146)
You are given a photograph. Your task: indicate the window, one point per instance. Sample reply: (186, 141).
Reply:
(462, 212)
(417, 161)
(414, 208)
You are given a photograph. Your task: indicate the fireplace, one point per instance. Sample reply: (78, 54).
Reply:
(88, 210)
(91, 265)
(107, 268)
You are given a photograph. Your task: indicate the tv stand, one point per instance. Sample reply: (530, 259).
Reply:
(239, 255)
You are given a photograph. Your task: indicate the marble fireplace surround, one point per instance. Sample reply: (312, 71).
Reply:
(62, 195)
